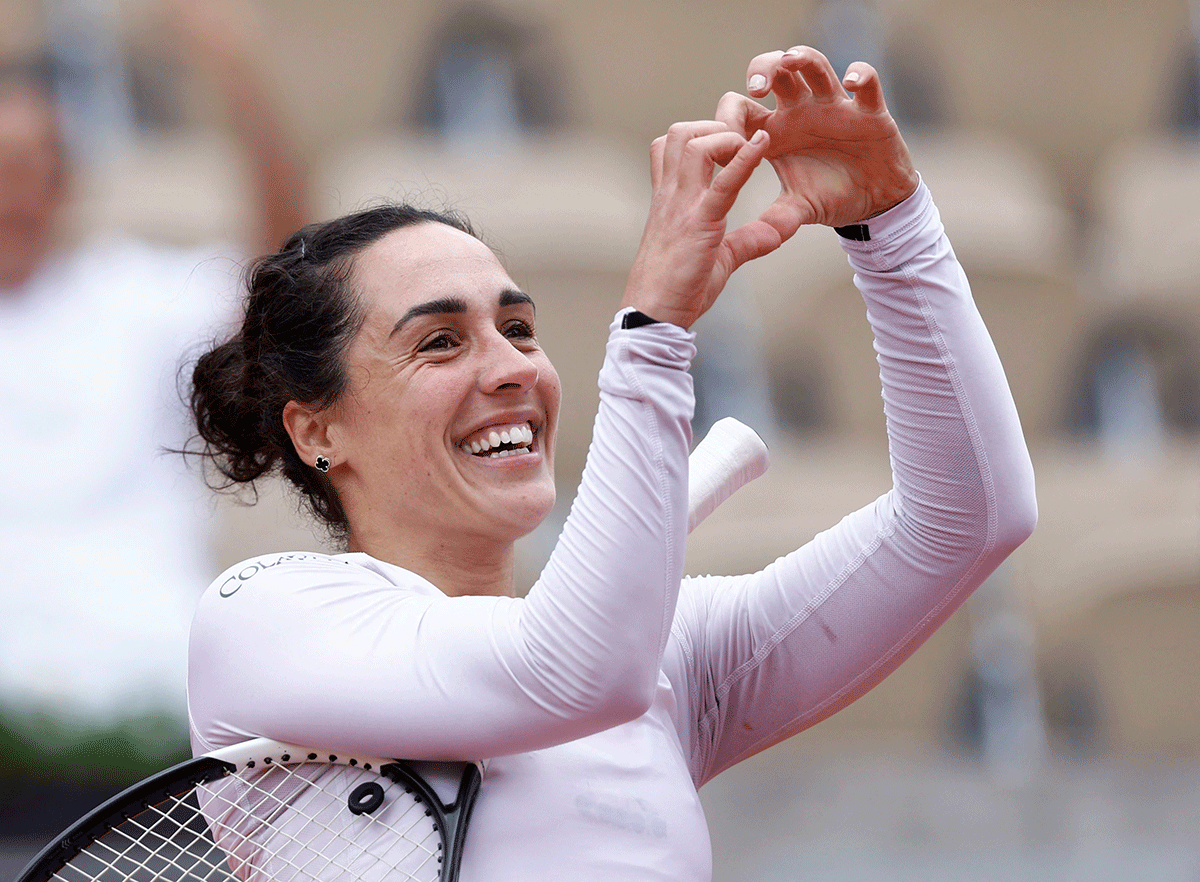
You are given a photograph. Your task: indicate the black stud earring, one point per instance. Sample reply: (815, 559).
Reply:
(322, 463)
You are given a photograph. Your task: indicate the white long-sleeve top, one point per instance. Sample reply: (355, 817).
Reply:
(610, 693)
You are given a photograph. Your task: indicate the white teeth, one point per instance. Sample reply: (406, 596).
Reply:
(519, 436)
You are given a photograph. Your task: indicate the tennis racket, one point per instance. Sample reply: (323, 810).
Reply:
(263, 811)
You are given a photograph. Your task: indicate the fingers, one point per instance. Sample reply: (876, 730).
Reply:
(657, 147)
(766, 74)
(802, 73)
(862, 81)
(756, 238)
(786, 216)
(667, 150)
(689, 144)
(685, 158)
(741, 114)
(750, 241)
(729, 181)
(685, 257)
(818, 74)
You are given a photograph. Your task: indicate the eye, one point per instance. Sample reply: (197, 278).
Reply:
(438, 341)
(518, 329)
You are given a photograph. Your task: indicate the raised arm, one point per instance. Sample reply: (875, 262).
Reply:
(766, 655)
(221, 41)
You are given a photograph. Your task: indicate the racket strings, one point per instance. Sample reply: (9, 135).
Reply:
(281, 824)
(292, 823)
(165, 841)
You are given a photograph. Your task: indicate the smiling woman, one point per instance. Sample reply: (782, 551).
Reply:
(446, 356)
(300, 316)
(391, 369)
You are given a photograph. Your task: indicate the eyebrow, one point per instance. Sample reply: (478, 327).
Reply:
(456, 305)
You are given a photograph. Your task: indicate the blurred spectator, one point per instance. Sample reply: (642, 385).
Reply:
(105, 536)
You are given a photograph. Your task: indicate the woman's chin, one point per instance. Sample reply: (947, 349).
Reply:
(532, 512)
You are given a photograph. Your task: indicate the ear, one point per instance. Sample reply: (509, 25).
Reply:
(310, 432)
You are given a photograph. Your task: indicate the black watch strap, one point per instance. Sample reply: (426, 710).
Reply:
(854, 232)
(635, 319)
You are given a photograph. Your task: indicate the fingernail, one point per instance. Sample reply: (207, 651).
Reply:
(852, 78)
(795, 50)
(759, 136)
(757, 83)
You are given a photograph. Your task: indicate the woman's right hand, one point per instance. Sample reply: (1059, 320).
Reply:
(686, 254)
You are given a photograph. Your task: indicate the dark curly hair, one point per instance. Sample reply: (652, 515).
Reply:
(300, 314)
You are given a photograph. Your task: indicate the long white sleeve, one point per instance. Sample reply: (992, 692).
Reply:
(767, 655)
(348, 651)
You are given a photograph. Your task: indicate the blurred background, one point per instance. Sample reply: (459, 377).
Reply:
(1050, 731)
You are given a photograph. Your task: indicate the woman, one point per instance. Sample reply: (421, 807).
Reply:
(420, 418)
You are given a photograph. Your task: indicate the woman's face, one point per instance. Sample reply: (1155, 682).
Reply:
(446, 429)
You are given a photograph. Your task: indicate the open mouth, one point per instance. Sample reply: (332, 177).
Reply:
(498, 442)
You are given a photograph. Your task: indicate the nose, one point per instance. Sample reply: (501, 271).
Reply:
(507, 368)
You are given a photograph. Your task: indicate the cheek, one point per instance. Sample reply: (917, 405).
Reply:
(548, 380)
(380, 423)
(550, 388)
(416, 404)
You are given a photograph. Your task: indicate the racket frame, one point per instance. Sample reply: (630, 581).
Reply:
(451, 818)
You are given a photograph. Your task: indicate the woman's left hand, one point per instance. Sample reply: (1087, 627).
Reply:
(837, 151)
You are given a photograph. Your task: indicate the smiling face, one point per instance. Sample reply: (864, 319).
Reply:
(444, 437)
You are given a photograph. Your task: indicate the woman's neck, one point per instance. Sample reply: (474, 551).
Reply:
(457, 569)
